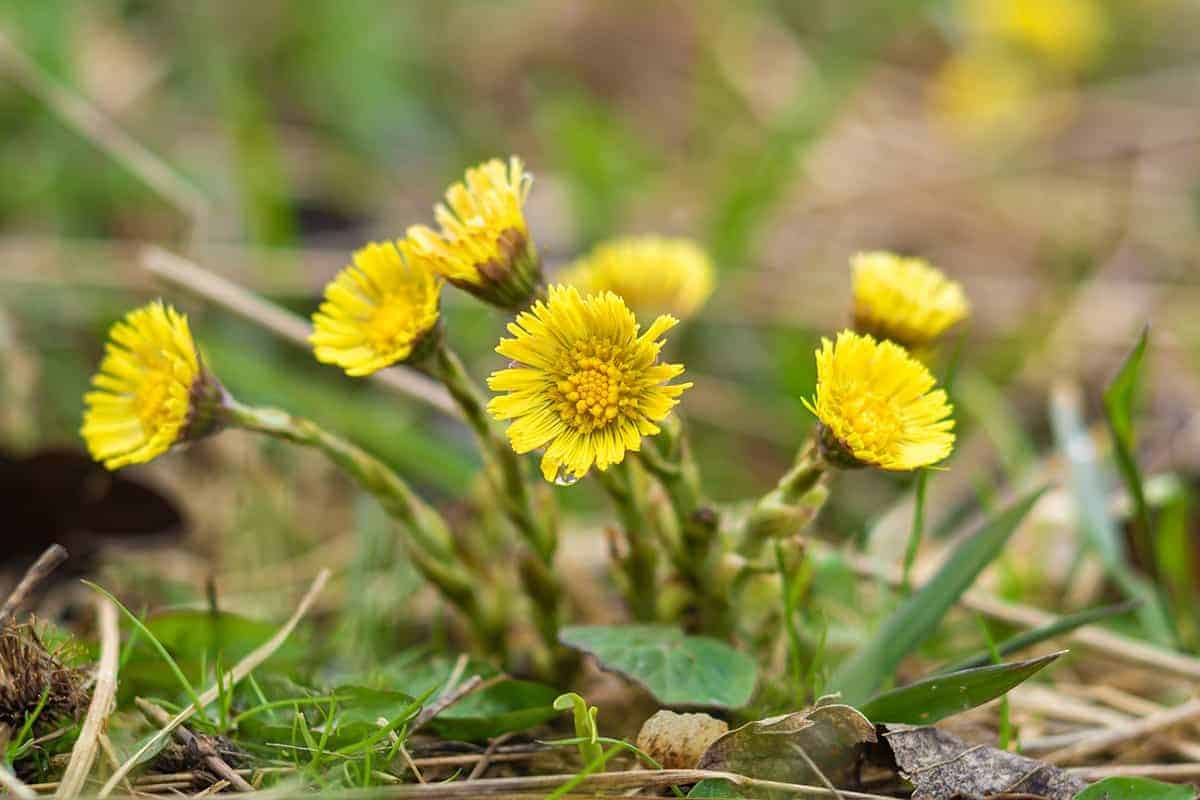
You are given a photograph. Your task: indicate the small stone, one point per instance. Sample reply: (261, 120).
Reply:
(677, 741)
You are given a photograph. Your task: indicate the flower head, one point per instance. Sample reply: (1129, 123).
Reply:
(653, 274)
(989, 98)
(151, 391)
(484, 246)
(904, 299)
(585, 384)
(378, 310)
(1068, 34)
(877, 406)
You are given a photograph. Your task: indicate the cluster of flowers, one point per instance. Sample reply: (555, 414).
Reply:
(585, 386)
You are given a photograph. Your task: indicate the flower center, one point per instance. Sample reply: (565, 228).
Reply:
(593, 389)
(392, 322)
(150, 400)
(873, 421)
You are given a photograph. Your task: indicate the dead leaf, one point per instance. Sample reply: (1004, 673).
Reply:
(677, 741)
(809, 747)
(941, 766)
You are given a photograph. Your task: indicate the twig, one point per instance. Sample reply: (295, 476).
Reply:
(1137, 729)
(201, 746)
(817, 770)
(231, 678)
(1096, 638)
(529, 785)
(83, 754)
(191, 277)
(486, 759)
(471, 684)
(1167, 772)
(14, 785)
(98, 129)
(47, 562)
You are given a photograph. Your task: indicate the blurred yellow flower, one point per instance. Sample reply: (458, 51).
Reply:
(377, 310)
(151, 390)
(904, 299)
(1068, 34)
(586, 383)
(653, 274)
(484, 246)
(986, 97)
(877, 406)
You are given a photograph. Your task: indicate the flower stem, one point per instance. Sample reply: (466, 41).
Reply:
(625, 485)
(698, 526)
(538, 578)
(429, 542)
(790, 506)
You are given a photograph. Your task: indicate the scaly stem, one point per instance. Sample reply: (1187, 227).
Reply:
(790, 506)
(536, 569)
(698, 526)
(429, 542)
(625, 485)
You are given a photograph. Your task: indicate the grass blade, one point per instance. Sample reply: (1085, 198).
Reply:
(1091, 494)
(940, 696)
(917, 618)
(1029, 638)
(1120, 404)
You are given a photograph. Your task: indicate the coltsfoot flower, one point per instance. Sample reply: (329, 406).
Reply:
(151, 391)
(585, 384)
(484, 246)
(377, 311)
(877, 406)
(904, 299)
(653, 274)
(988, 97)
(1068, 34)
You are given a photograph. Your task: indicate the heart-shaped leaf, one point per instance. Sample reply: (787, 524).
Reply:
(678, 669)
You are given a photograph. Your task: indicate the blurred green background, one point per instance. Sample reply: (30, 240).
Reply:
(1046, 153)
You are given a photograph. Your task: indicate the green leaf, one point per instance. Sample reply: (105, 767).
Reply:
(1029, 638)
(197, 640)
(676, 668)
(503, 708)
(1136, 789)
(1120, 405)
(1091, 492)
(714, 787)
(940, 696)
(917, 618)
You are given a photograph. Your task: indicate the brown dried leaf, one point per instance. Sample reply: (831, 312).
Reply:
(809, 747)
(941, 766)
(677, 741)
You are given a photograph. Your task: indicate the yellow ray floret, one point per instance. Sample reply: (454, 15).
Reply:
(142, 395)
(653, 274)
(376, 311)
(483, 245)
(904, 299)
(877, 406)
(586, 384)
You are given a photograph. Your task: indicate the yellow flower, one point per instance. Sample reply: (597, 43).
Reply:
(653, 274)
(1068, 34)
(904, 299)
(988, 97)
(151, 391)
(378, 310)
(586, 384)
(877, 406)
(484, 245)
